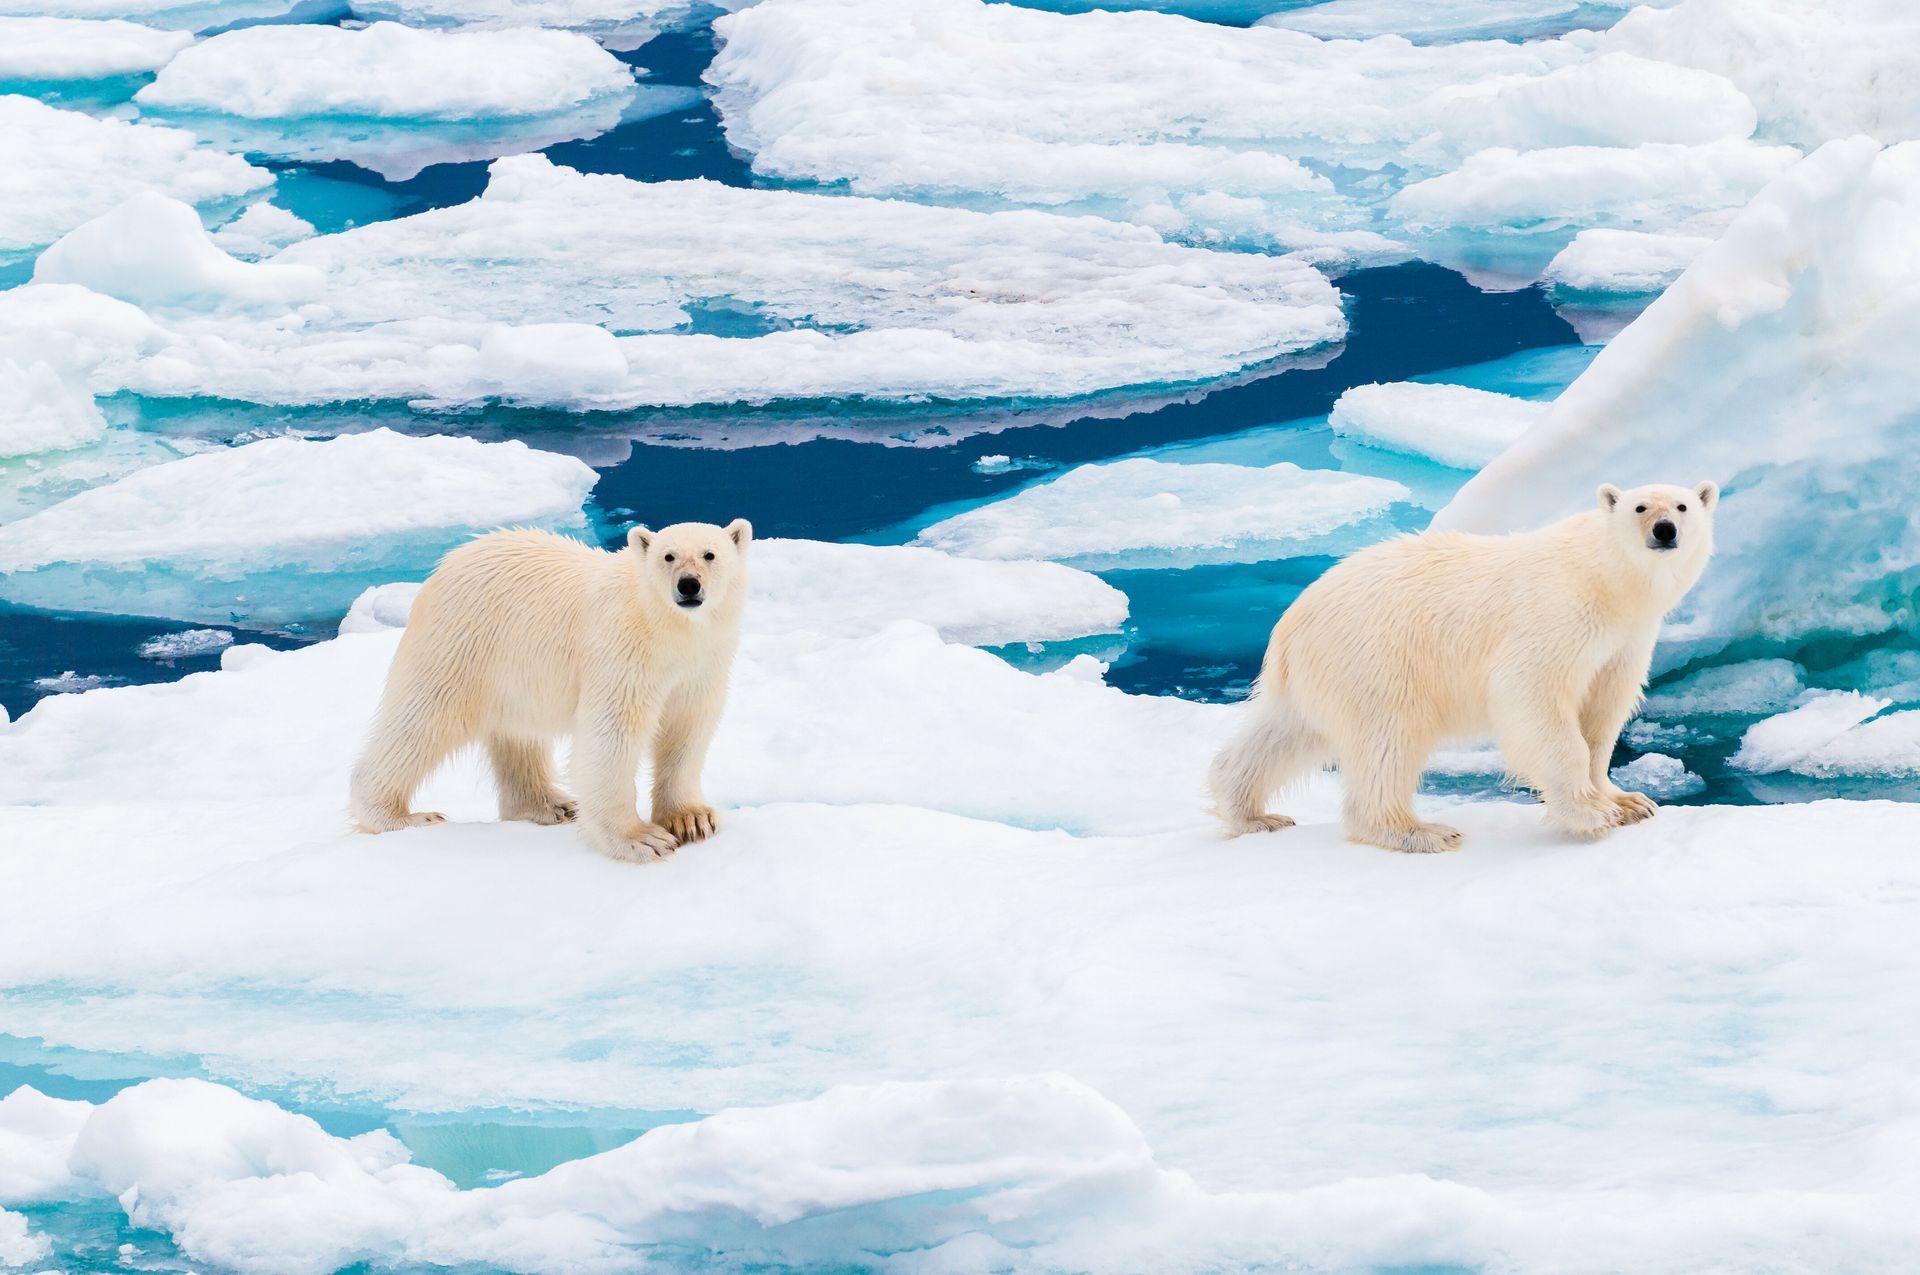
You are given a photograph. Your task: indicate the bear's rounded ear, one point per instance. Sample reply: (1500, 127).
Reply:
(639, 539)
(1709, 494)
(1608, 496)
(742, 532)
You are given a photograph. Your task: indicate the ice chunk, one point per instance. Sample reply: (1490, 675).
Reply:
(18, 1245)
(1262, 138)
(72, 682)
(67, 167)
(47, 410)
(261, 230)
(1659, 776)
(1110, 513)
(384, 606)
(1776, 365)
(1623, 261)
(859, 297)
(1746, 689)
(282, 529)
(36, 1136)
(1885, 747)
(1459, 427)
(1433, 21)
(185, 645)
(153, 251)
(43, 50)
(52, 338)
(1783, 742)
(617, 24)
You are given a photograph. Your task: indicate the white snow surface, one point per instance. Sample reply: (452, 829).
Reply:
(66, 168)
(1247, 1088)
(1777, 365)
(500, 298)
(1106, 514)
(387, 71)
(1456, 425)
(53, 49)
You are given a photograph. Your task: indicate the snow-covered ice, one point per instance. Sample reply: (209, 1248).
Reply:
(153, 251)
(50, 50)
(1784, 741)
(185, 644)
(172, 15)
(1148, 512)
(67, 167)
(1623, 261)
(1749, 688)
(513, 297)
(1777, 365)
(617, 24)
(282, 529)
(1460, 427)
(1658, 775)
(1434, 21)
(52, 339)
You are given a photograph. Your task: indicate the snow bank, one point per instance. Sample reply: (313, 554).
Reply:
(154, 252)
(1117, 513)
(856, 298)
(50, 50)
(281, 529)
(1778, 366)
(67, 167)
(1454, 425)
(1261, 138)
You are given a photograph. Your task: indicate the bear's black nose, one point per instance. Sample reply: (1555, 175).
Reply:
(1664, 532)
(689, 586)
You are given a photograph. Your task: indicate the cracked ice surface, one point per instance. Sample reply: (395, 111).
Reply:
(561, 289)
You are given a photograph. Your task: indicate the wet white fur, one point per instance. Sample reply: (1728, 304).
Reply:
(521, 637)
(1542, 638)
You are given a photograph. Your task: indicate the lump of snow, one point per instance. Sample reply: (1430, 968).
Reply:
(381, 607)
(66, 167)
(1456, 426)
(153, 251)
(1658, 776)
(1777, 365)
(865, 298)
(51, 50)
(280, 530)
(1623, 261)
(185, 645)
(1784, 741)
(1746, 689)
(1137, 510)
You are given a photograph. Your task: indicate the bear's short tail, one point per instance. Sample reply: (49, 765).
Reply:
(1274, 746)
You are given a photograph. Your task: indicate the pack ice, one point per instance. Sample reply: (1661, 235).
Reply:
(615, 24)
(394, 99)
(561, 289)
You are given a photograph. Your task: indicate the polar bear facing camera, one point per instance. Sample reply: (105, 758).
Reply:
(523, 636)
(1543, 638)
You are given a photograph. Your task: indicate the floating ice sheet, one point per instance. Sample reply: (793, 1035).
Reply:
(1144, 512)
(1437, 21)
(617, 24)
(561, 289)
(51, 50)
(172, 15)
(1457, 426)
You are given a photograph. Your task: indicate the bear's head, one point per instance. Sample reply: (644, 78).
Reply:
(1666, 529)
(692, 568)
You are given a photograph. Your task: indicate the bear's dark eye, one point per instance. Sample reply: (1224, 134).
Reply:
(1681, 508)
(709, 557)
(669, 557)
(1639, 509)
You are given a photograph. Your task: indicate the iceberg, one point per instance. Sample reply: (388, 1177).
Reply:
(561, 289)
(1453, 425)
(68, 168)
(1143, 512)
(1776, 365)
(281, 530)
(394, 99)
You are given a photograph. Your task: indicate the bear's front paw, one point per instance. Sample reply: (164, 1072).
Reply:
(689, 823)
(1635, 806)
(1257, 823)
(1588, 819)
(640, 843)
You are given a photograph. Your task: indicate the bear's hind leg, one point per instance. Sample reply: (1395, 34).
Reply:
(1381, 774)
(1273, 747)
(412, 735)
(523, 771)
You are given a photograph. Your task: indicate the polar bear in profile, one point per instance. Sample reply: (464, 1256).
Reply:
(1543, 638)
(523, 636)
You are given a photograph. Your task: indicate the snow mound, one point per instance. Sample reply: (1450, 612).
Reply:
(48, 50)
(1776, 365)
(1129, 510)
(153, 251)
(281, 529)
(67, 168)
(1454, 425)
(853, 298)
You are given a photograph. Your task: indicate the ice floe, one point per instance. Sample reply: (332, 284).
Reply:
(153, 251)
(185, 645)
(395, 99)
(1148, 512)
(1457, 426)
(1623, 261)
(616, 24)
(280, 530)
(1658, 775)
(52, 50)
(1785, 742)
(558, 288)
(1434, 21)
(172, 15)
(67, 168)
(1777, 365)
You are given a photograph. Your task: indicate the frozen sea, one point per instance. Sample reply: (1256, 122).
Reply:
(971, 984)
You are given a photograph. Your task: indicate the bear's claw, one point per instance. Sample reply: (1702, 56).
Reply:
(692, 823)
(644, 844)
(1635, 806)
(1262, 823)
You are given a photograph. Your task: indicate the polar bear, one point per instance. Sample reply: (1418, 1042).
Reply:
(1543, 638)
(522, 636)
